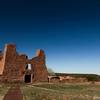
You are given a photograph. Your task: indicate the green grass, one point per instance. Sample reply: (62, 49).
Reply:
(61, 92)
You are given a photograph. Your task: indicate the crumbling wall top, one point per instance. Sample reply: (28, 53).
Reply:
(40, 53)
(10, 45)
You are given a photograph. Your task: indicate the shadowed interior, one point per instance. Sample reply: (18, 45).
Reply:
(27, 78)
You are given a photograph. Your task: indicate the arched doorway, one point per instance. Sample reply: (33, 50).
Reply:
(27, 77)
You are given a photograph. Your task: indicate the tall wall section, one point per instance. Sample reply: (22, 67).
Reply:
(1, 65)
(12, 70)
(40, 72)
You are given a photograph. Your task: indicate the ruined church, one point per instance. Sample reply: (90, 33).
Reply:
(15, 67)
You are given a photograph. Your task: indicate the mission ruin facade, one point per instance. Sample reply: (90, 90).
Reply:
(15, 67)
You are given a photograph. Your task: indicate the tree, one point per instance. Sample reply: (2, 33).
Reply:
(93, 78)
(50, 71)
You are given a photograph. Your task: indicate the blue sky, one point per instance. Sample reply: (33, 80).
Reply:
(67, 30)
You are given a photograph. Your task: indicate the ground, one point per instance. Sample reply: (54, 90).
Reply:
(45, 91)
(3, 90)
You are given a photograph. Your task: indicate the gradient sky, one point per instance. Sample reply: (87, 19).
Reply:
(67, 30)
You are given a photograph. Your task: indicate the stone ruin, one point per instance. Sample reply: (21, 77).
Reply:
(15, 67)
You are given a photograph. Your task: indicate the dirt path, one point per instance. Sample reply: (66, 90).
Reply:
(14, 93)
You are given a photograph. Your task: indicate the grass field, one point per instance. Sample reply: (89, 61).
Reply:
(3, 90)
(61, 92)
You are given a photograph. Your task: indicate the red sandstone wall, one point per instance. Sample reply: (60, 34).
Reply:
(1, 67)
(12, 65)
(39, 67)
(21, 64)
(40, 73)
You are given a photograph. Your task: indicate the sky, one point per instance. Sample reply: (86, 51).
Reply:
(67, 30)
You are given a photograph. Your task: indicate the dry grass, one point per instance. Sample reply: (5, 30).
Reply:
(61, 92)
(3, 90)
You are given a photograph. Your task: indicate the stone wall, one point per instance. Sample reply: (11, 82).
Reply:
(13, 65)
(1, 66)
(11, 71)
(21, 62)
(39, 67)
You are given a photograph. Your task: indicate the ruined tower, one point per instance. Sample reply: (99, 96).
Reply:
(17, 67)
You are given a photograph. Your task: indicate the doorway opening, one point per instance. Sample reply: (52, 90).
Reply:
(28, 67)
(27, 78)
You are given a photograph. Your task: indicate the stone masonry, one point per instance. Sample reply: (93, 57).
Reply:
(15, 67)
